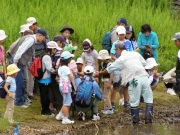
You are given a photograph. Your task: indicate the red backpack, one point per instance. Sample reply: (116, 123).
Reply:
(36, 68)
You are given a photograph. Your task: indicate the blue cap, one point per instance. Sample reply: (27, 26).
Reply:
(122, 20)
(66, 55)
(42, 32)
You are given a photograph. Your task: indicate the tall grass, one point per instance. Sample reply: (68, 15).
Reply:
(92, 18)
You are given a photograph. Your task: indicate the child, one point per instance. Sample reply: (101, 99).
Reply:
(153, 74)
(3, 36)
(79, 64)
(89, 55)
(148, 52)
(67, 31)
(106, 80)
(65, 87)
(130, 35)
(10, 88)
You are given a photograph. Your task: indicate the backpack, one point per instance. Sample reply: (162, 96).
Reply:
(36, 68)
(106, 40)
(85, 93)
(3, 93)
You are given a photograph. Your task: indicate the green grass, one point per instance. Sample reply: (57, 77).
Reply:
(92, 18)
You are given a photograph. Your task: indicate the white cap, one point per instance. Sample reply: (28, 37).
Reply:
(121, 30)
(53, 44)
(103, 55)
(24, 27)
(2, 35)
(79, 60)
(88, 69)
(30, 21)
(151, 62)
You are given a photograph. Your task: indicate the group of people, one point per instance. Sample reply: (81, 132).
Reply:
(122, 69)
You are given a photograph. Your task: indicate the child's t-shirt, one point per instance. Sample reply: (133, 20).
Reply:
(12, 83)
(90, 58)
(127, 44)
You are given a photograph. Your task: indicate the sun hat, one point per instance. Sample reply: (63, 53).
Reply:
(121, 30)
(70, 48)
(150, 63)
(88, 69)
(66, 55)
(86, 45)
(42, 32)
(23, 28)
(120, 45)
(60, 38)
(129, 29)
(11, 69)
(66, 27)
(79, 60)
(2, 35)
(53, 44)
(30, 21)
(103, 55)
(122, 20)
(176, 36)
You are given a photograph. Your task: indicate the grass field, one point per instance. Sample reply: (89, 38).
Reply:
(91, 19)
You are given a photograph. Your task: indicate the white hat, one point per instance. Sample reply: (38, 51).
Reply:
(24, 27)
(53, 44)
(121, 30)
(88, 69)
(103, 55)
(79, 60)
(2, 35)
(151, 62)
(30, 21)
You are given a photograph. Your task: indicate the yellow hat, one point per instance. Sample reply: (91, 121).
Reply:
(11, 69)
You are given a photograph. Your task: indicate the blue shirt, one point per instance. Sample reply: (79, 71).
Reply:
(12, 83)
(127, 44)
(97, 91)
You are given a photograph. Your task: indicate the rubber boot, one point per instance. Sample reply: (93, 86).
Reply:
(148, 113)
(135, 115)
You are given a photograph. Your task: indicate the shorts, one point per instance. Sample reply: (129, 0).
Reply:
(117, 84)
(67, 99)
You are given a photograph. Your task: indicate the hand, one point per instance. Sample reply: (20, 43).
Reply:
(10, 95)
(96, 74)
(108, 85)
(53, 64)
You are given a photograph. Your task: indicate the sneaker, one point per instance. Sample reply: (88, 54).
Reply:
(23, 106)
(113, 108)
(81, 115)
(96, 117)
(127, 106)
(171, 91)
(11, 121)
(59, 116)
(27, 103)
(121, 101)
(108, 111)
(67, 121)
(28, 100)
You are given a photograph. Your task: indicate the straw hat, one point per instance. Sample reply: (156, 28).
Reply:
(103, 55)
(2, 35)
(151, 62)
(11, 69)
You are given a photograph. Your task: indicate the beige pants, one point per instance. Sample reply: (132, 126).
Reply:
(9, 107)
(106, 94)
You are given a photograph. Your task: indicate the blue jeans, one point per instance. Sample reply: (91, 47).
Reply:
(20, 86)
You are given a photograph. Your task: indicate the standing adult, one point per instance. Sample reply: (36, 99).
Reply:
(148, 39)
(23, 56)
(134, 76)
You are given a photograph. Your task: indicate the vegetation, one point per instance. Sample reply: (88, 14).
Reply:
(91, 19)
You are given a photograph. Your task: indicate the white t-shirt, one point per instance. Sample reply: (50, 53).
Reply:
(63, 73)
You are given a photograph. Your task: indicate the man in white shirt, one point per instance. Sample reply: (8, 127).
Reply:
(134, 76)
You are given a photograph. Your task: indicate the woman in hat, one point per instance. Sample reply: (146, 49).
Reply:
(10, 88)
(67, 31)
(3, 36)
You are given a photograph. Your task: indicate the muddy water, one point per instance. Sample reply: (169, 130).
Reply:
(154, 129)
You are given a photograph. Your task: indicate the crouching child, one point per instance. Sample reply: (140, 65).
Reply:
(87, 95)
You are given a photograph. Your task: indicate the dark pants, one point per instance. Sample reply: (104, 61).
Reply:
(20, 86)
(54, 94)
(169, 85)
(44, 97)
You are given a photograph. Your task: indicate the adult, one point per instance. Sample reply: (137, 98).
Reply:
(134, 76)
(177, 43)
(23, 56)
(148, 39)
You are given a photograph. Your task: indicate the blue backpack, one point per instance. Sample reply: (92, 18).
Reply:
(106, 40)
(85, 93)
